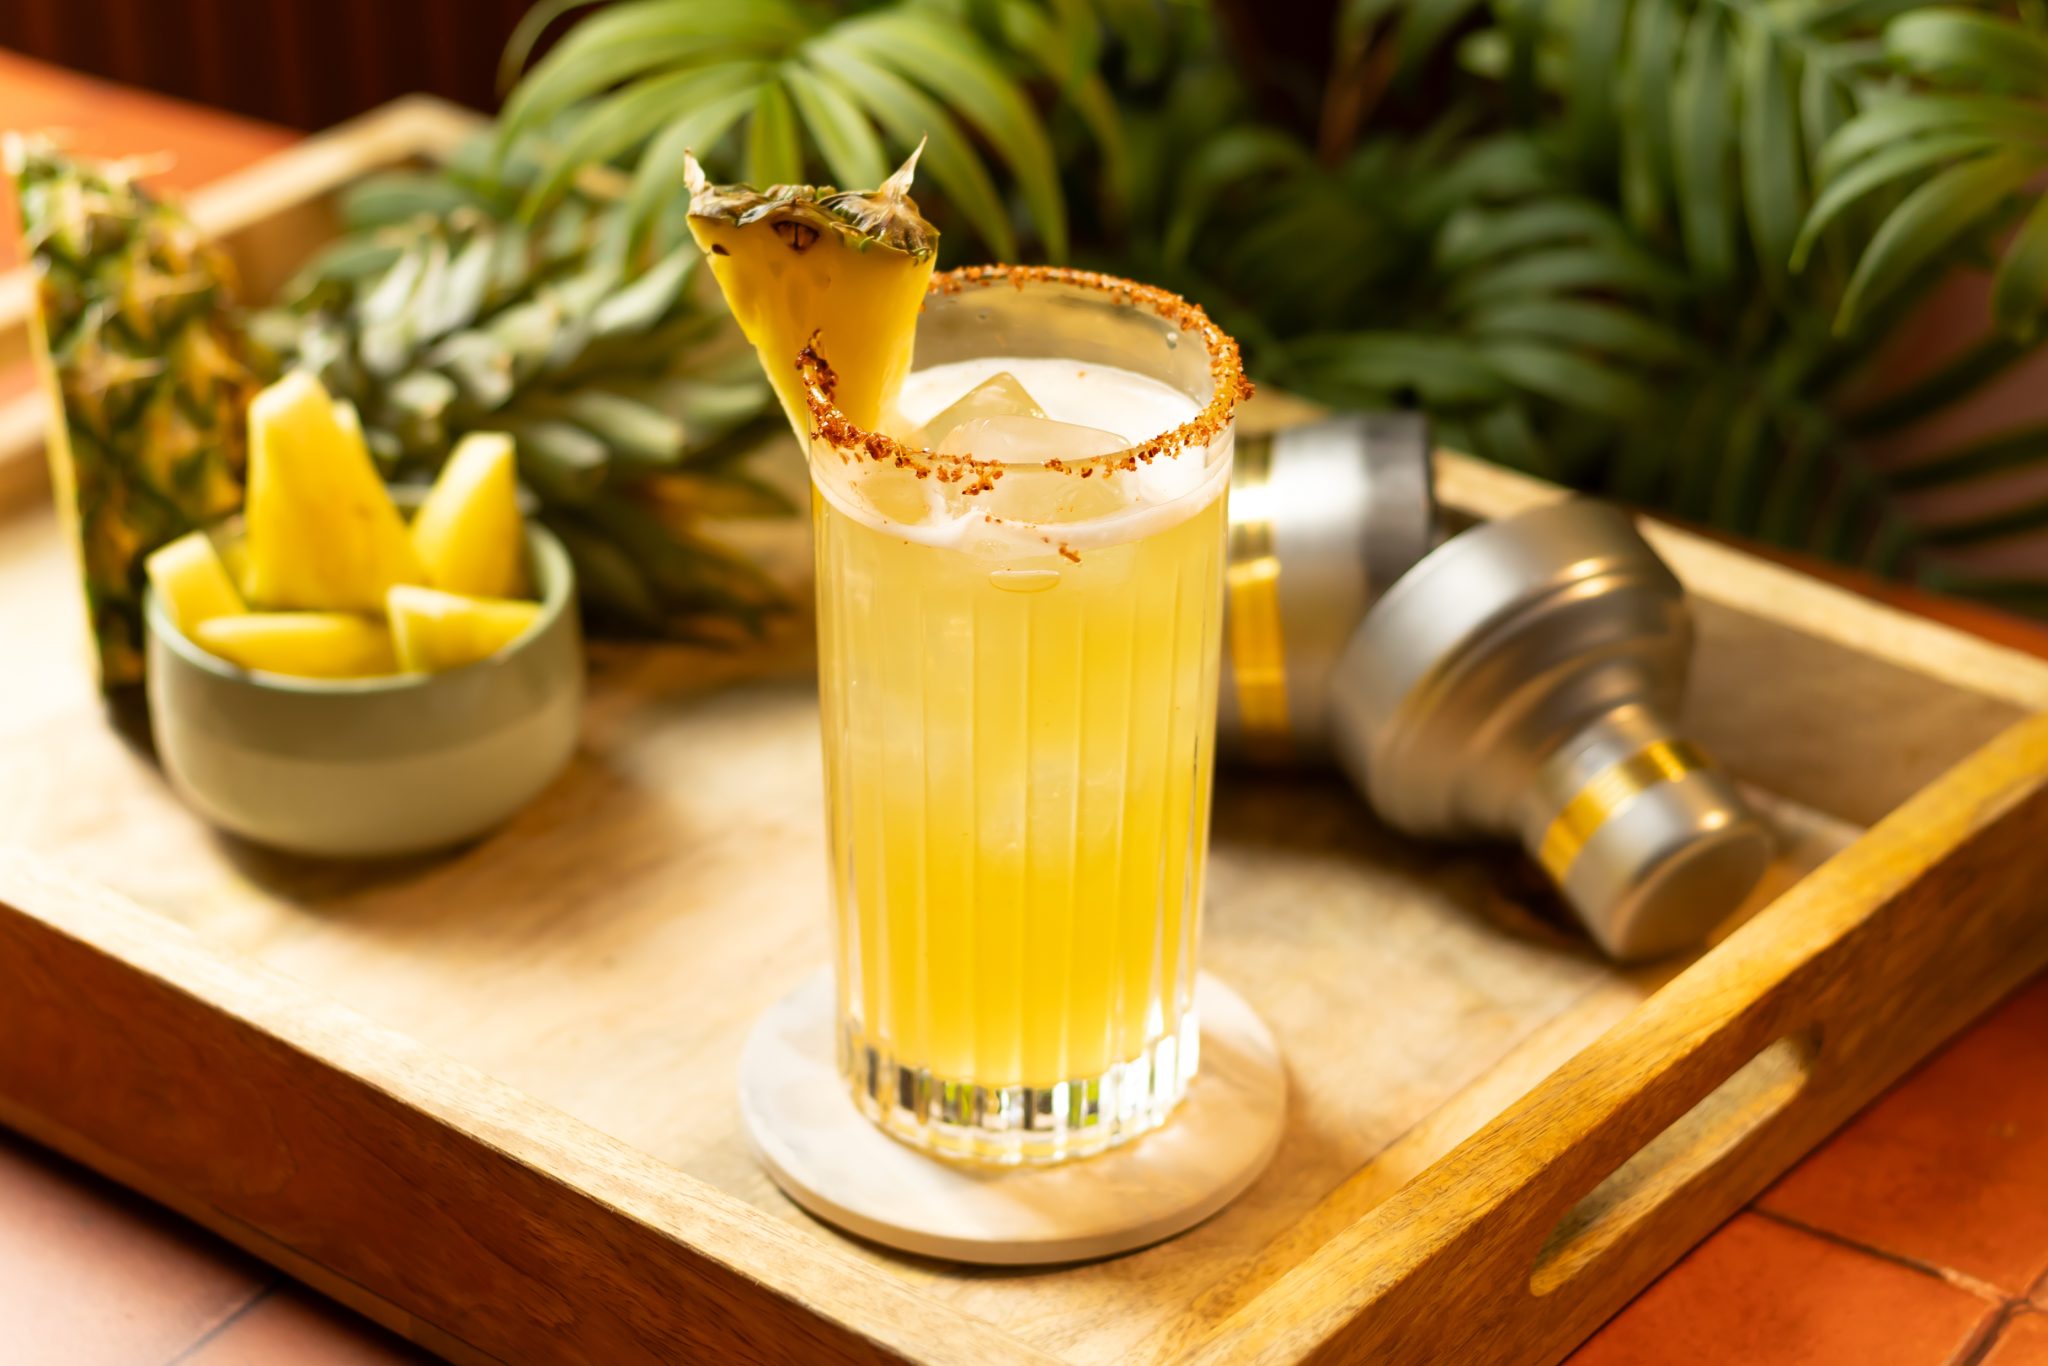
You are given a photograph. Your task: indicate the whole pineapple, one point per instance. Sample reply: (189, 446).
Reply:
(443, 313)
(137, 352)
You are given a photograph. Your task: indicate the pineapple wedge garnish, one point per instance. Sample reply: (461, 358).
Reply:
(305, 644)
(468, 533)
(843, 271)
(188, 577)
(323, 532)
(434, 631)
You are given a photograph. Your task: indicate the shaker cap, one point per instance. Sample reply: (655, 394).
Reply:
(1652, 844)
(1521, 681)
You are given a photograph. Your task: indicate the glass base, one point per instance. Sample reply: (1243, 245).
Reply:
(1013, 1125)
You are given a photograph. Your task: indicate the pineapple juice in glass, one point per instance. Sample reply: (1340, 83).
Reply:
(1019, 612)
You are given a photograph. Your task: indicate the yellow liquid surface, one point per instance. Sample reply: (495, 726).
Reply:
(1018, 760)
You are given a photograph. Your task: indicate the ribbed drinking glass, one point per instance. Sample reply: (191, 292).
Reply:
(1018, 653)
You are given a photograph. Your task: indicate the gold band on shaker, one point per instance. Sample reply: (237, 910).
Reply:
(1258, 654)
(1607, 792)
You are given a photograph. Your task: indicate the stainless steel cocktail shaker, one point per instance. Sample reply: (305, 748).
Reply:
(1523, 681)
(1520, 680)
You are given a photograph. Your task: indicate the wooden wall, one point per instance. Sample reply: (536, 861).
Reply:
(302, 63)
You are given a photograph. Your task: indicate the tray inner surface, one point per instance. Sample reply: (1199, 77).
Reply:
(608, 951)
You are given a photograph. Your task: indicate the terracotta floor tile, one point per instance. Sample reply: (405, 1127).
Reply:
(1951, 1167)
(293, 1324)
(90, 1274)
(2023, 1342)
(1765, 1294)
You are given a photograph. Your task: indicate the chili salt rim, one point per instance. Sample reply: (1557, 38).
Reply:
(1226, 371)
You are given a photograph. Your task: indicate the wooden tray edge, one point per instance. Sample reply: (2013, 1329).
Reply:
(394, 1163)
(1859, 963)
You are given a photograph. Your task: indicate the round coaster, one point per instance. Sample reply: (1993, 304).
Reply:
(833, 1161)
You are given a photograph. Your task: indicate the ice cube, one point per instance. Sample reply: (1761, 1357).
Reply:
(1000, 395)
(1171, 474)
(898, 495)
(1028, 494)
(1023, 440)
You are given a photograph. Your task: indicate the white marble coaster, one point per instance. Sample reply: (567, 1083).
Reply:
(834, 1162)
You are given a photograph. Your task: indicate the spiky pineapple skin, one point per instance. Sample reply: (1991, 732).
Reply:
(841, 271)
(137, 354)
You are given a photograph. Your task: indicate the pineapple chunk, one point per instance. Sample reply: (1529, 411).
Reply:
(194, 585)
(308, 644)
(843, 271)
(323, 532)
(350, 420)
(234, 557)
(434, 630)
(468, 532)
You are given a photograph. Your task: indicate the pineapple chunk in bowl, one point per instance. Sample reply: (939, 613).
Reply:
(371, 767)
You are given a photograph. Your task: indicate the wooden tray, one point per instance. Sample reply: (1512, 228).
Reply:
(488, 1099)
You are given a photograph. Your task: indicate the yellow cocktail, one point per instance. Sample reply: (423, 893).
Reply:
(1019, 607)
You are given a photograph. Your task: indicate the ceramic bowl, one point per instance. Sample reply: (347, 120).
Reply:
(375, 767)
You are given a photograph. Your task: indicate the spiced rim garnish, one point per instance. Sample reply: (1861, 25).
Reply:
(1229, 387)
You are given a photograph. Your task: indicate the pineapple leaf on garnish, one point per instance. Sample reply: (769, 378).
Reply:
(443, 313)
(137, 352)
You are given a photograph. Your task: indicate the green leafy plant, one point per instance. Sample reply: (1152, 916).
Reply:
(1660, 249)
(795, 86)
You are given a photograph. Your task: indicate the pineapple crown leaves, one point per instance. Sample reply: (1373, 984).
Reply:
(450, 325)
(442, 312)
(128, 292)
(98, 219)
(775, 86)
(885, 216)
(77, 208)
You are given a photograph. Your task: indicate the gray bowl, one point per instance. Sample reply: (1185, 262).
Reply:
(375, 767)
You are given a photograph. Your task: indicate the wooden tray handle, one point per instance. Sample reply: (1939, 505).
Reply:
(1708, 1132)
(1539, 1227)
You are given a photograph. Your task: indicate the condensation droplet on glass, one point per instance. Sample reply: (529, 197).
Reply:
(1172, 341)
(981, 315)
(1024, 580)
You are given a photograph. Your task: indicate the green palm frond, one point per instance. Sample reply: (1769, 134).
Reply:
(1492, 291)
(1670, 284)
(1977, 155)
(1654, 248)
(779, 90)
